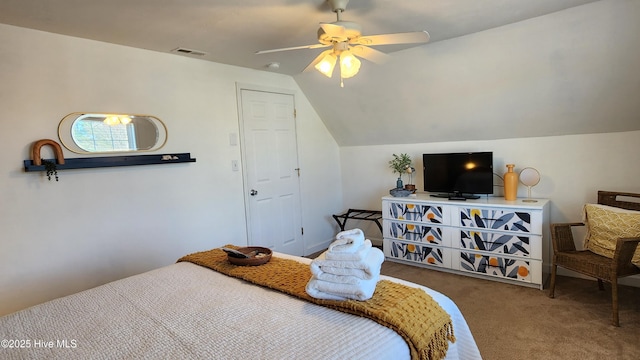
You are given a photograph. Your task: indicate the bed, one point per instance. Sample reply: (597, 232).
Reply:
(188, 311)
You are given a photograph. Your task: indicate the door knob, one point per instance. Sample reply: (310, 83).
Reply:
(253, 192)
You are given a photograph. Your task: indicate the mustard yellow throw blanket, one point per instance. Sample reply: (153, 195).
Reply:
(411, 312)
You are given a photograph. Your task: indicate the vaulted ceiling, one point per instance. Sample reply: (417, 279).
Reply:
(384, 103)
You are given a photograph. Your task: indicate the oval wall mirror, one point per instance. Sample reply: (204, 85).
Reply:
(529, 177)
(90, 133)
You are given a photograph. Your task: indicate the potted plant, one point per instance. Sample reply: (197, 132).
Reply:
(400, 164)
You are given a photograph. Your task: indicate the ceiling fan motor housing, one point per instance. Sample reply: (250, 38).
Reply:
(351, 31)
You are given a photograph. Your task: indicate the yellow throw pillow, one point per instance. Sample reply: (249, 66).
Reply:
(606, 224)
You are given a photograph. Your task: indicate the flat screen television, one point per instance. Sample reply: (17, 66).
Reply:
(458, 175)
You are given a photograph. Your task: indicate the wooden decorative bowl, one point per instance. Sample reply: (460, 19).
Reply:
(259, 256)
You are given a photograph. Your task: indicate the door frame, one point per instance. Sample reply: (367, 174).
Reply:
(245, 186)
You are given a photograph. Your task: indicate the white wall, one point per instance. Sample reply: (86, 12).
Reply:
(98, 225)
(573, 168)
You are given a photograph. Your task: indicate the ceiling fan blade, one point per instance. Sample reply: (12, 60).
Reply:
(370, 54)
(312, 65)
(334, 30)
(314, 46)
(389, 39)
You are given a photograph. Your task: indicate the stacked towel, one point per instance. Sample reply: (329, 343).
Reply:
(358, 255)
(365, 269)
(347, 241)
(326, 290)
(349, 269)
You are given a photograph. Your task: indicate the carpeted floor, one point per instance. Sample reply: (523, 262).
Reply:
(515, 322)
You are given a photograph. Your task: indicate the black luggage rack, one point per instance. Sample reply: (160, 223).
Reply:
(358, 214)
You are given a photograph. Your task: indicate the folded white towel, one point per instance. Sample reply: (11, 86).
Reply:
(338, 279)
(347, 241)
(320, 289)
(365, 269)
(359, 255)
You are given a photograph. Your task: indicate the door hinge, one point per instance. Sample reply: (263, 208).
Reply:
(295, 113)
(298, 170)
(302, 230)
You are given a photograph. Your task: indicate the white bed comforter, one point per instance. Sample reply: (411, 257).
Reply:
(184, 311)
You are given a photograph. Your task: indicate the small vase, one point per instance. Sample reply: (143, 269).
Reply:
(399, 183)
(510, 183)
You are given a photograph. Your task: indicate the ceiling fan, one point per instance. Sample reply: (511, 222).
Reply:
(346, 42)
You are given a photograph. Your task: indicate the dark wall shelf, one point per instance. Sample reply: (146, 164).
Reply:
(111, 161)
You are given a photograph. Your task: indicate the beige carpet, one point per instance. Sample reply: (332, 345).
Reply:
(515, 322)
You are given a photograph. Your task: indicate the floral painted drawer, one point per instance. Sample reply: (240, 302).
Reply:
(417, 253)
(496, 219)
(414, 212)
(500, 243)
(503, 267)
(417, 232)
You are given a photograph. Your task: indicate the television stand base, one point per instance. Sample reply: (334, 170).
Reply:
(456, 196)
(462, 198)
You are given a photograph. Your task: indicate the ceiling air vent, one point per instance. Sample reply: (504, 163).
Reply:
(184, 51)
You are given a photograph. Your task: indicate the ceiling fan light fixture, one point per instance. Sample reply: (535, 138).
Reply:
(349, 64)
(326, 65)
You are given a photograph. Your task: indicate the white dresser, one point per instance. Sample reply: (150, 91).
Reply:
(490, 237)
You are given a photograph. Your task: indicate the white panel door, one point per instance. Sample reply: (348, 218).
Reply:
(271, 170)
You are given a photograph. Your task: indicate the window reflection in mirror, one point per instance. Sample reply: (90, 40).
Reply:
(105, 133)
